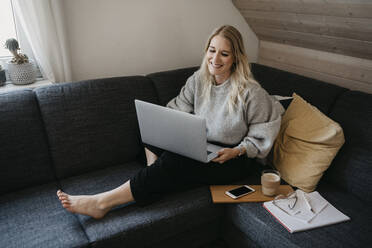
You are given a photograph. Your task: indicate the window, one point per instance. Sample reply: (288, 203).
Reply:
(7, 26)
(10, 29)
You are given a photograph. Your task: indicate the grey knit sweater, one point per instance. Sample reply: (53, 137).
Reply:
(254, 124)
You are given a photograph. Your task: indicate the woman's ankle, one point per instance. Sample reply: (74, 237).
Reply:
(103, 202)
(150, 157)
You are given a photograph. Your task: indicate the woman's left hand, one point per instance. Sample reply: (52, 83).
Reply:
(226, 154)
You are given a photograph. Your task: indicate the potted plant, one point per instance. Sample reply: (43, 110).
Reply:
(21, 70)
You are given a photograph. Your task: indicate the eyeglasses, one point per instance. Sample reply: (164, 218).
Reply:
(291, 198)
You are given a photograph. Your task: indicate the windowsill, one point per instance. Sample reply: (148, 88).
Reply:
(11, 87)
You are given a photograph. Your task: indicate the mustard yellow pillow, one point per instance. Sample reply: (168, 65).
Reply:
(307, 142)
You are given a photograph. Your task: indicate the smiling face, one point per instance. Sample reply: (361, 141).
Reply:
(220, 58)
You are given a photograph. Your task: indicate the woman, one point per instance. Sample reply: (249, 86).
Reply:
(240, 115)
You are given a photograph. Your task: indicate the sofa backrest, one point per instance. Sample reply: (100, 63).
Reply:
(169, 83)
(352, 167)
(24, 155)
(278, 82)
(92, 124)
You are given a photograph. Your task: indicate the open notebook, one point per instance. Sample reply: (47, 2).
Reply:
(311, 211)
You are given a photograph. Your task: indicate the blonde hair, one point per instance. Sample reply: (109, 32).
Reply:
(240, 76)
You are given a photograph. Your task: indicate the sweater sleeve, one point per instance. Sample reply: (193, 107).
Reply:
(263, 116)
(185, 99)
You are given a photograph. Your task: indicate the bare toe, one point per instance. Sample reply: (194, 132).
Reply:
(61, 193)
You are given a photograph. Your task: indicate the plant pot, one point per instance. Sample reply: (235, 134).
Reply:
(2, 77)
(22, 74)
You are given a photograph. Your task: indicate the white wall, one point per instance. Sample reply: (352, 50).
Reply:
(129, 37)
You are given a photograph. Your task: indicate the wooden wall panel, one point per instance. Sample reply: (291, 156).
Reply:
(330, 40)
(345, 71)
(355, 48)
(343, 27)
(343, 8)
(339, 26)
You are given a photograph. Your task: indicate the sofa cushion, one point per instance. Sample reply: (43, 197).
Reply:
(352, 168)
(206, 235)
(306, 144)
(35, 218)
(92, 124)
(261, 227)
(277, 82)
(169, 83)
(24, 155)
(175, 214)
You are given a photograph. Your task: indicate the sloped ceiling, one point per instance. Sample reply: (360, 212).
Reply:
(337, 26)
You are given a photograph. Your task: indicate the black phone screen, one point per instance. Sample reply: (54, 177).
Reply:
(240, 191)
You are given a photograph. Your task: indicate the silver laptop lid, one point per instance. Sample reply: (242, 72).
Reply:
(172, 130)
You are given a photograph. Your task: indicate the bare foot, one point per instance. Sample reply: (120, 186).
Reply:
(83, 204)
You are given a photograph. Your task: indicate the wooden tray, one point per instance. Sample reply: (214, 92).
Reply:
(219, 196)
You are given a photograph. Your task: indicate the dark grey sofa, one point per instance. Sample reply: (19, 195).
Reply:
(83, 137)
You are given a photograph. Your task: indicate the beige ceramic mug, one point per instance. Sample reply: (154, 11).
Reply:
(270, 181)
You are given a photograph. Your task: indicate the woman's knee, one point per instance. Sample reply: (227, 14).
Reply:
(178, 164)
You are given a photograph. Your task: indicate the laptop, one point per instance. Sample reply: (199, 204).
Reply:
(175, 131)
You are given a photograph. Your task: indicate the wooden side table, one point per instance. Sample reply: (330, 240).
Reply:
(219, 196)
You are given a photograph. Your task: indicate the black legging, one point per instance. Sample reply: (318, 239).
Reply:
(173, 173)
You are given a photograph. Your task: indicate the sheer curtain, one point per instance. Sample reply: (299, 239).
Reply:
(42, 23)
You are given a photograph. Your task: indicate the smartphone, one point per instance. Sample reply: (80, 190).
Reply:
(239, 192)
